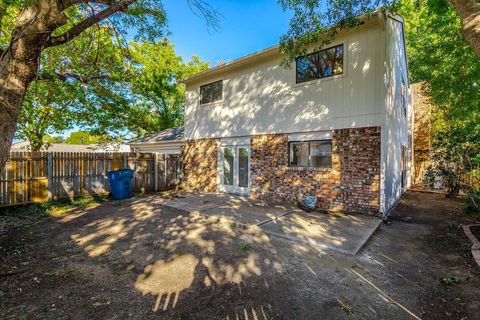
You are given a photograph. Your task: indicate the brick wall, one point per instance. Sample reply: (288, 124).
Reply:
(422, 128)
(351, 185)
(200, 165)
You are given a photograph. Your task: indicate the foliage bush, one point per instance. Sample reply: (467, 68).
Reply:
(473, 202)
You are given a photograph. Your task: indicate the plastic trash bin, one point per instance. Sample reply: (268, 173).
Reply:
(120, 183)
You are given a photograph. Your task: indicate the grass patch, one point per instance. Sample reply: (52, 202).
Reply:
(246, 247)
(472, 205)
(73, 275)
(23, 216)
(450, 281)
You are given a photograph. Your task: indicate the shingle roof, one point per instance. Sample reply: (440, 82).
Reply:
(172, 134)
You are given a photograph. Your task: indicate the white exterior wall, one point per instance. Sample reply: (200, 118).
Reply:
(397, 126)
(263, 97)
(162, 148)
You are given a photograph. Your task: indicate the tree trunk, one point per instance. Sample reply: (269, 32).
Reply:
(19, 63)
(469, 13)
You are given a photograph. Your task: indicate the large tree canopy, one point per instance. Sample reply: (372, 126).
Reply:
(30, 27)
(76, 83)
(111, 95)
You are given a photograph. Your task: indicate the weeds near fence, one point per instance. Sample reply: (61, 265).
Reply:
(25, 215)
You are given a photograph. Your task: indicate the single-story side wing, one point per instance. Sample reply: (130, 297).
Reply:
(169, 141)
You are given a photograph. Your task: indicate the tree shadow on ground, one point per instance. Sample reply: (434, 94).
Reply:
(172, 255)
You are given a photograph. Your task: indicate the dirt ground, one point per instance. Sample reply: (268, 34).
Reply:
(136, 259)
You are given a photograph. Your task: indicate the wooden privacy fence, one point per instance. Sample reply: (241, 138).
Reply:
(471, 179)
(43, 176)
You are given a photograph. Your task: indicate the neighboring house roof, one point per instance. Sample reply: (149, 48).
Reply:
(65, 147)
(169, 135)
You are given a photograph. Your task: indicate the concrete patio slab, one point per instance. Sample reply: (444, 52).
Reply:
(246, 211)
(337, 232)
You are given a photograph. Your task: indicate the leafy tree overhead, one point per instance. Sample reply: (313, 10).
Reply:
(32, 27)
(159, 99)
(114, 96)
(76, 83)
(313, 20)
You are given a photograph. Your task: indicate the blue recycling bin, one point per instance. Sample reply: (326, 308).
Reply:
(120, 183)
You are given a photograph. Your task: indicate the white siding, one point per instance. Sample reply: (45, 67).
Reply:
(162, 148)
(263, 97)
(397, 126)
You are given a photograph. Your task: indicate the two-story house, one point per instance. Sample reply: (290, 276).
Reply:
(336, 124)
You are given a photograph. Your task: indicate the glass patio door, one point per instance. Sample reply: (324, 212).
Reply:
(235, 169)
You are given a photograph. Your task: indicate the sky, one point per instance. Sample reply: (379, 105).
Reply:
(245, 26)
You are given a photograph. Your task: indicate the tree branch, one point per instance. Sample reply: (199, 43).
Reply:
(90, 21)
(203, 9)
(64, 76)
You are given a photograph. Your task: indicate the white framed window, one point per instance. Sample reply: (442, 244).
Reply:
(314, 153)
(211, 92)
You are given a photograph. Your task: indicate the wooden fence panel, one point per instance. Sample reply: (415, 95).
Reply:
(42, 176)
(472, 179)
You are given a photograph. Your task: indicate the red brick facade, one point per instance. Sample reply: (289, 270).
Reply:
(200, 165)
(351, 185)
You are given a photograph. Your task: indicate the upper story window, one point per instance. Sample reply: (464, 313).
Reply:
(321, 64)
(404, 98)
(315, 153)
(211, 92)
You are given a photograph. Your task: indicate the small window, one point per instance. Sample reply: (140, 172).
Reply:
(310, 154)
(321, 64)
(404, 98)
(211, 92)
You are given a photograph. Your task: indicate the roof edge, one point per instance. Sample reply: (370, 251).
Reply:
(264, 53)
(234, 63)
(157, 142)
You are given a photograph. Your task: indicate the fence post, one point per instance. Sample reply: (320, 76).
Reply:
(155, 170)
(49, 176)
(165, 170)
(125, 160)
